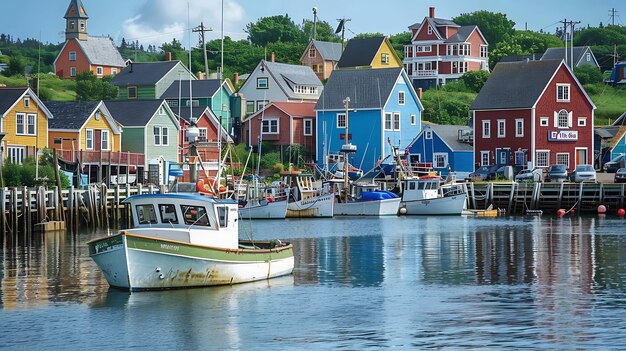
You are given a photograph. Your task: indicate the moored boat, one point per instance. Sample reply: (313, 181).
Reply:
(263, 202)
(183, 241)
(307, 197)
(364, 200)
(426, 196)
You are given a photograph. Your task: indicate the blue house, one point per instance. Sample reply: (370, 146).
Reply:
(384, 110)
(447, 148)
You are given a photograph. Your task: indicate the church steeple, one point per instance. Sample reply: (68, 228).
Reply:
(76, 21)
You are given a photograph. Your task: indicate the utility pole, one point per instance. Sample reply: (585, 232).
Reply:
(342, 28)
(565, 37)
(612, 15)
(314, 34)
(202, 29)
(572, 25)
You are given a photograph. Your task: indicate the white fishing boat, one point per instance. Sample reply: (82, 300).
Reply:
(183, 241)
(259, 201)
(427, 196)
(307, 198)
(364, 200)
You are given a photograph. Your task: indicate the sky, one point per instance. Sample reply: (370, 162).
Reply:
(159, 21)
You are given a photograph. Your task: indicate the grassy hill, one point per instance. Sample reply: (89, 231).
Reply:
(51, 87)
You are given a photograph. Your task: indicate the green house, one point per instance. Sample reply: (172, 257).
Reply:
(149, 80)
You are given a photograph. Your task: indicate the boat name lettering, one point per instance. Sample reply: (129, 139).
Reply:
(170, 247)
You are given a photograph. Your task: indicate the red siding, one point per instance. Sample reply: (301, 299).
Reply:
(509, 141)
(423, 34)
(63, 62)
(476, 41)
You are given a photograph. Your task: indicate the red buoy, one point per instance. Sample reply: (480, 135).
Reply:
(621, 212)
(601, 209)
(560, 212)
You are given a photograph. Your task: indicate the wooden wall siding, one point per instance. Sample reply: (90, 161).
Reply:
(101, 124)
(9, 126)
(510, 140)
(143, 93)
(63, 63)
(169, 151)
(475, 41)
(386, 49)
(66, 142)
(216, 107)
(133, 140)
(177, 73)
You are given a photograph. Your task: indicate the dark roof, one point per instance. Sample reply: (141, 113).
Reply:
(8, 96)
(620, 121)
(559, 53)
(462, 35)
(76, 10)
(450, 134)
(196, 112)
(133, 113)
(515, 85)
(367, 88)
(360, 52)
(199, 89)
(328, 50)
(70, 114)
(518, 58)
(143, 73)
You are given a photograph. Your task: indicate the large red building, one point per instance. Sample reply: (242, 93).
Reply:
(533, 112)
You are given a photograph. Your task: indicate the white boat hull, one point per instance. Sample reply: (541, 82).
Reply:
(142, 263)
(449, 205)
(264, 210)
(386, 207)
(316, 206)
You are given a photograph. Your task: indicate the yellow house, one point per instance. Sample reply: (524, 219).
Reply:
(24, 123)
(374, 52)
(83, 126)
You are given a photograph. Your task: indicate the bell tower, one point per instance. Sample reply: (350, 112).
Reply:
(76, 21)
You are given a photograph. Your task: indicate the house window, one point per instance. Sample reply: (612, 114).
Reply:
(261, 83)
(194, 103)
(408, 51)
(484, 51)
(104, 140)
(82, 26)
(26, 102)
(72, 55)
(486, 129)
(312, 53)
(384, 58)
(132, 92)
(428, 134)
(261, 104)
(543, 121)
(484, 158)
(501, 128)
(72, 71)
(202, 134)
(388, 121)
(396, 121)
(519, 127)
(20, 120)
(430, 30)
(89, 139)
(72, 24)
(542, 158)
(161, 136)
(15, 154)
(113, 71)
(588, 57)
(582, 121)
(400, 98)
(308, 127)
(25, 124)
(440, 159)
(563, 119)
(269, 126)
(562, 158)
(413, 120)
(562, 92)
(99, 70)
(250, 107)
(341, 120)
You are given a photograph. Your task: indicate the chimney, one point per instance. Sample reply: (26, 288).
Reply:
(168, 56)
(236, 78)
(273, 57)
(419, 93)
(431, 12)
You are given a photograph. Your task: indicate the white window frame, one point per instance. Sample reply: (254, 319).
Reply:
(544, 121)
(562, 154)
(72, 71)
(312, 53)
(401, 98)
(562, 92)
(161, 136)
(428, 134)
(384, 58)
(104, 140)
(89, 139)
(341, 120)
(539, 162)
(430, 30)
(20, 121)
(388, 125)
(26, 102)
(519, 127)
(72, 56)
(582, 121)
(99, 70)
(413, 120)
(15, 154)
(444, 160)
(396, 121)
(259, 85)
(486, 129)
(588, 57)
(501, 128)
(260, 104)
(270, 126)
(307, 125)
(202, 134)
(114, 71)
(484, 158)
(484, 51)
(558, 119)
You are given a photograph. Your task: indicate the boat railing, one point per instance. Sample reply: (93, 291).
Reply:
(452, 189)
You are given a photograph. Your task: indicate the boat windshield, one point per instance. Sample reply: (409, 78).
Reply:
(146, 214)
(168, 214)
(195, 215)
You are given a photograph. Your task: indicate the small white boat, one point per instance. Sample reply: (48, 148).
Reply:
(364, 200)
(307, 197)
(263, 202)
(183, 241)
(426, 196)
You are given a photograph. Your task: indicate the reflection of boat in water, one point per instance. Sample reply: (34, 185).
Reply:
(363, 200)
(181, 241)
(260, 201)
(307, 198)
(427, 196)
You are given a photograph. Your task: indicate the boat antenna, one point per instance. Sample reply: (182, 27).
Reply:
(222, 106)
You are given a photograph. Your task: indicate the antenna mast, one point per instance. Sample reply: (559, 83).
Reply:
(202, 29)
(342, 28)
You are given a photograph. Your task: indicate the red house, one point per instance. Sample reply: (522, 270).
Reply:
(283, 123)
(533, 111)
(442, 51)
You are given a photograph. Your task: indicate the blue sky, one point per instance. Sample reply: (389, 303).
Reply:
(158, 21)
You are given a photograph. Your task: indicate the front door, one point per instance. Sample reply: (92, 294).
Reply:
(503, 157)
(97, 139)
(581, 156)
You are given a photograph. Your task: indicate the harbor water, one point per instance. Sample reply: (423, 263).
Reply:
(407, 283)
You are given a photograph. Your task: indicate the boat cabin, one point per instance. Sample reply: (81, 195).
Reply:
(303, 186)
(187, 218)
(421, 188)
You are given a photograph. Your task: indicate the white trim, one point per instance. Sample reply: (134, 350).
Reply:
(501, 123)
(486, 122)
(566, 87)
(87, 139)
(269, 126)
(108, 144)
(536, 158)
(337, 121)
(517, 132)
(544, 121)
(413, 119)
(573, 76)
(482, 158)
(583, 120)
(576, 156)
(310, 121)
(445, 159)
(403, 95)
(556, 158)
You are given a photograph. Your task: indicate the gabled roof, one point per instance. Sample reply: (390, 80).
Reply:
(449, 134)
(618, 137)
(462, 35)
(292, 109)
(287, 76)
(197, 112)
(559, 54)
(101, 51)
(360, 52)
(70, 114)
(367, 88)
(199, 89)
(328, 50)
(620, 121)
(76, 10)
(144, 73)
(134, 113)
(10, 96)
(515, 85)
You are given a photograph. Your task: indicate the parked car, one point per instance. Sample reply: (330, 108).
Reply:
(615, 164)
(529, 175)
(583, 173)
(620, 176)
(556, 173)
(484, 173)
(500, 171)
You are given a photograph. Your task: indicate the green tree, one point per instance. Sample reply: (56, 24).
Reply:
(274, 29)
(588, 74)
(533, 42)
(323, 31)
(399, 40)
(89, 87)
(475, 80)
(494, 26)
(17, 63)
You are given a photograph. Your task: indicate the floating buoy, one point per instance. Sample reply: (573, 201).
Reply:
(573, 211)
(402, 210)
(621, 212)
(601, 209)
(560, 212)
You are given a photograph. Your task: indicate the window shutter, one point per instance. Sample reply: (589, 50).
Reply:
(570, 118)
(556, 119)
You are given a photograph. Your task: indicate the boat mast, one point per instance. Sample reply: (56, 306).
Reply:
(345, 154)
(222, 107)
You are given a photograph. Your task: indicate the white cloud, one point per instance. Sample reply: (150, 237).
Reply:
(159, 21)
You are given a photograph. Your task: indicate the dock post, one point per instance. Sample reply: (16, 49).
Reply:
(508, 210)
(70, 208)
(3, 210)
(580, 197)
(25, 209)
(116, 208)
(473, 195)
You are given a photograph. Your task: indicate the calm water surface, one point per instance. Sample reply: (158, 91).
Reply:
(404, 283)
